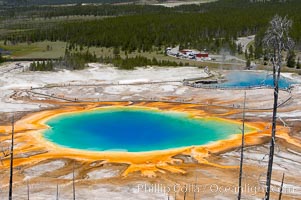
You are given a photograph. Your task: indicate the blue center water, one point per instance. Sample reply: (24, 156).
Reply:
(243, 79)
(134, 130)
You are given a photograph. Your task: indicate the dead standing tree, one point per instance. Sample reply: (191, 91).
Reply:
(281, 187)
(276, 40)
(57, 191)
(10, 194)
(28, 192)
(73, 181)
(242, 149)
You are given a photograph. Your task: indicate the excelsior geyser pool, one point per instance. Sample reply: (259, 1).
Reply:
(243, 79)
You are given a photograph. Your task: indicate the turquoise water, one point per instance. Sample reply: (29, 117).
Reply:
(243, 79)
(135, 130)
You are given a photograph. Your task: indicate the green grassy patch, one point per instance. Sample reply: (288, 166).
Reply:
(48, 50)
(44, 49)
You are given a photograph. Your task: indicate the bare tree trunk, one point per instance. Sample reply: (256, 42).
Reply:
(10, 194)
(281, 188)
(27, 189)
(185, 192)
(73, 182)
(276, 76)
(242, 149)
(57, 191)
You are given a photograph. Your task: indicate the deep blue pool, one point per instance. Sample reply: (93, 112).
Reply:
(135, 130)
(244, 79)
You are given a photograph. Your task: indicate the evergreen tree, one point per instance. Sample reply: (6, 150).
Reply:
(1, 58)
(33, 66)
(239, 49)
(258, 52)
(116, 52)
(246, 55)
(291, 59)
(248, 64)
(141, 28)
(298, 65)
(251, 52)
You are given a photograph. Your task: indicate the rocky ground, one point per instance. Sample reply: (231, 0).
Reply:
(24, 92)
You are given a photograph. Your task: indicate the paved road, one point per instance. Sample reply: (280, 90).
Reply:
(244, 41)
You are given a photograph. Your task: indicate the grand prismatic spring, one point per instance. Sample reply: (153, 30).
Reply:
(135, 130)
